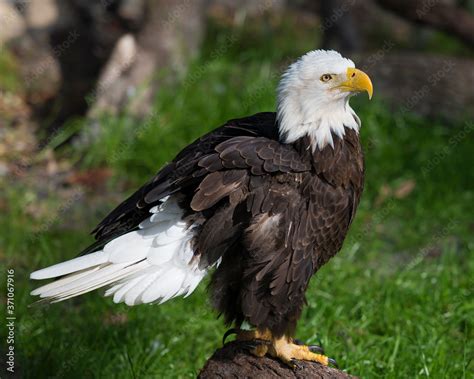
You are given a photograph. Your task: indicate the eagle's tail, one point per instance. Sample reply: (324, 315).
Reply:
(152, 264)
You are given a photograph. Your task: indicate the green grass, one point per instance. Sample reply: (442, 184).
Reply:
(397, 302)
(9, 76)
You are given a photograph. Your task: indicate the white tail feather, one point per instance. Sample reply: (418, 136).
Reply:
(73, 265)
(63, 281)
(152, 264)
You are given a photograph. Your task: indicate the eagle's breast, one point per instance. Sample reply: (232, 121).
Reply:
(332, 190)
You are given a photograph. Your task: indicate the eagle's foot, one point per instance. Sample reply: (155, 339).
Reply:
(290, 353)
(287, 350)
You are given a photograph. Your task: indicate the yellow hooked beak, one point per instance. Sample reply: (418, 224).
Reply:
(357, 81)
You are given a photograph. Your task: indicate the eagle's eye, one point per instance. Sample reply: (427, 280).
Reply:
(326, 77)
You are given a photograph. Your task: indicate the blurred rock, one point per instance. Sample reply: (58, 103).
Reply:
(51, 38)
(12, 24)
(377, 26)
(41, 13)
(103, 98)
(168, 38)
(239, 10)
(3, 169)
(132, 10)
(371, 23)
(442, 15)
(40, 70)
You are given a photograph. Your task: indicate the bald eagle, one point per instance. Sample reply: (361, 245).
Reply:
(260, 204)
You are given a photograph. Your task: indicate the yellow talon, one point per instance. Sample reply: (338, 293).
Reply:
(287, 352)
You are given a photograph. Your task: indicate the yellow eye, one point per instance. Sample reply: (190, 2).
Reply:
(326, 77)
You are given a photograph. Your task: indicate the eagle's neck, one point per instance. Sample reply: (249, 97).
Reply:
(299, 117)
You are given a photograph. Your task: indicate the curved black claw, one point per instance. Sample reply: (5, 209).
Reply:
(313, 348)
(252, 344)
(333, 362)
(316, 349)
(295, 364)
(228, 333)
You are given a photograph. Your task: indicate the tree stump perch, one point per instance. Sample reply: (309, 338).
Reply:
(234, 361)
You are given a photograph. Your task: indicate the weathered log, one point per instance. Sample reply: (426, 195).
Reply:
(234, 361)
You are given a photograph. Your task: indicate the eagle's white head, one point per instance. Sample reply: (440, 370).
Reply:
(313, 97)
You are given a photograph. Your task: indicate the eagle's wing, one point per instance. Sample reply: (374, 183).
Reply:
(246, 144)
(150, 248)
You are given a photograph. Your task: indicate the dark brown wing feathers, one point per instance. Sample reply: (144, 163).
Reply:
(183, 172)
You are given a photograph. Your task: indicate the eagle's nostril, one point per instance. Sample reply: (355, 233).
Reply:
(353, 74)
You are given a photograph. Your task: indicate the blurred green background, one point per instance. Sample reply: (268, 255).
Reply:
(396, 302)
